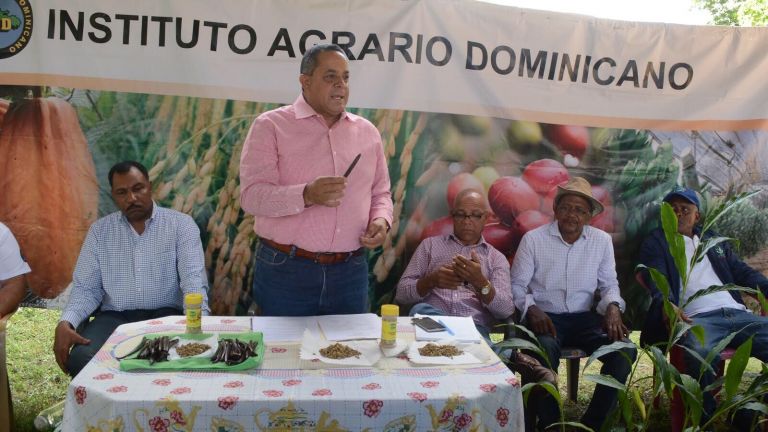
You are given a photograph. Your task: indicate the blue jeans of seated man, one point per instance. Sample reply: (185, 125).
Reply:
(101, 327)
(717, 325)
(428, 309)
(287, 285)
(583, 330)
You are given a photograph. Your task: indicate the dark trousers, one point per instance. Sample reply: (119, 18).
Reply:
(101, 327)
(583, 330)
(288, 285)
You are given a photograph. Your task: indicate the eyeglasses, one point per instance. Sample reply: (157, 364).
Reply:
(578, 211)
(463, 216)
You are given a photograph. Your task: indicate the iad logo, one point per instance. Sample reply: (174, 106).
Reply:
(15, 26)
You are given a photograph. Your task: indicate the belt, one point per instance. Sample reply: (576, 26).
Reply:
(317, 257)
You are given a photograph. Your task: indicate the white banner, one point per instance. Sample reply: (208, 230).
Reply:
(454, 56)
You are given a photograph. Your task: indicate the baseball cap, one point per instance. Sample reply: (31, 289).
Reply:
(684, 193)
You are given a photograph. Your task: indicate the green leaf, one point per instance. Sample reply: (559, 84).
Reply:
(693, 397)
(575, 425)
(698, 331)
(605, 380)
(718, 288)
(736, 368)
(674, 240)
(607, 349)
(658, 279)
(725, 207)
(521, 344)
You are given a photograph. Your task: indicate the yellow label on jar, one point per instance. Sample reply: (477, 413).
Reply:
(194, 321)
(388, 332)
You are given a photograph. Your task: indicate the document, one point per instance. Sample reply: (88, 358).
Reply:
(349, 327)
(461, 329)
(284, 329)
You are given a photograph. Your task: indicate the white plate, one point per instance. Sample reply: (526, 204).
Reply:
(466, 357)
(370, 353)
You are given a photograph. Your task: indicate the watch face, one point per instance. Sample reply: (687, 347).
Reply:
(485, 290)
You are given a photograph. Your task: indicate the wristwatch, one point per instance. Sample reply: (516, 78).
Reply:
(617, 305)
(485, 289)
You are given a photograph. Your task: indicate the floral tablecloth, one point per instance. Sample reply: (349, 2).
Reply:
(289, 394)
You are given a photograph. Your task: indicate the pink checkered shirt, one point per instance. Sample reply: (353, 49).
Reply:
(436, 251)
(289, 147)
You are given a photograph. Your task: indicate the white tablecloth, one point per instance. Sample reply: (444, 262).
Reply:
(289, 394)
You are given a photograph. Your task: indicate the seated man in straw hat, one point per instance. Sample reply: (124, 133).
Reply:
(558, 269)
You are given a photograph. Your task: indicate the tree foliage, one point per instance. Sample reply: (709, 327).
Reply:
(736, 12)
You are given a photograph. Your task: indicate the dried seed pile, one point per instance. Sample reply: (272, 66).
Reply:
(234, 351)
(339, 351)
(192, 349)
(434, 350)
(154, 350)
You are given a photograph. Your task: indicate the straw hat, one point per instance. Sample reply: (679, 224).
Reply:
(579, 186)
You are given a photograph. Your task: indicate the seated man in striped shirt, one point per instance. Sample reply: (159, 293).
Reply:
(558, 270)
(460, 274)
(135, 264)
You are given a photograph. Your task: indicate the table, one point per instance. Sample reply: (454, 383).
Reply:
(289, 394)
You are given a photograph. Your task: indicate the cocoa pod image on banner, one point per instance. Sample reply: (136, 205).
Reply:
(49, 188)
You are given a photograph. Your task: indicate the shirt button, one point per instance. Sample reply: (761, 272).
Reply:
(338, 229)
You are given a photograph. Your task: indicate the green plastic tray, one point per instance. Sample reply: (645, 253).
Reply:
(132, 363)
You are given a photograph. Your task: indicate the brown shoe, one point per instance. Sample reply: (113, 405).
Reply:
(531, 370)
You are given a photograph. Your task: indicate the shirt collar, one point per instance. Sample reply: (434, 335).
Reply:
(555, 231)
(482, 241)
(151, 217)
(304, 110)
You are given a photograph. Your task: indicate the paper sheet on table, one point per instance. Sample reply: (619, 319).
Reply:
(463, 329)
(284, 329)
(350, 327)
(469, 355)
(370, 353)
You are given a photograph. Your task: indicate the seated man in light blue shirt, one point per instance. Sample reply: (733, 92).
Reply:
(135, 264)
(558, 270)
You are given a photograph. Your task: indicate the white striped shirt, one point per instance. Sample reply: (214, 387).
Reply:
(120, 270)
(562, 278)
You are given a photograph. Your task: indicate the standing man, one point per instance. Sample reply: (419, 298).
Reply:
(13, 288)
(718, 313)
(315, 211)
(558, 269)
(135, 264)
(460, 274)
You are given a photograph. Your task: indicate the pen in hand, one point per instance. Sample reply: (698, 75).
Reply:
(352, 165)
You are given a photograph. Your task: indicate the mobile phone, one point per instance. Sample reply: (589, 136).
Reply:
(352, 165)
(428, 324)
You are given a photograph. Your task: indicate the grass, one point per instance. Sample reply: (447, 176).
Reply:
(37, 382)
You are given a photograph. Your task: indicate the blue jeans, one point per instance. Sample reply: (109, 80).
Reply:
(717, 325)
(584, 330)
(287, 285)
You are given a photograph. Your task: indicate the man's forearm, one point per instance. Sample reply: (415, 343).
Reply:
(12, 292)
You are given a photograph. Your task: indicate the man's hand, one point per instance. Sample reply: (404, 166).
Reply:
(540, 322)
(375, 234)
(612, 324)
(444, 277)
(325, 191)
(470, 270)
(64, 339)
(680, 314)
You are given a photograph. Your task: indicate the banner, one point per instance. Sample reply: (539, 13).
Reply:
(455, 56)
(464, 93)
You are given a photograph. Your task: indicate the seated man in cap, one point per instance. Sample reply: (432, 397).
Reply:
(719, 313)
(558, 269)
(460, 274)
